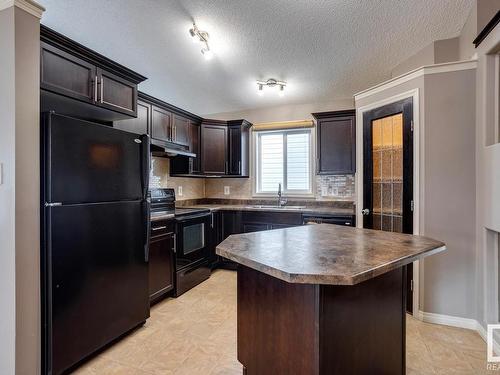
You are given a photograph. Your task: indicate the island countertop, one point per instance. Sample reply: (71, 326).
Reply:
(326, 254)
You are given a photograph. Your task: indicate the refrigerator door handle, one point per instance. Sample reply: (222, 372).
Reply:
(147, 226)
(145, 149)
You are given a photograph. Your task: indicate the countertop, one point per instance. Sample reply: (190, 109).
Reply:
(246, 207)
(326, 254)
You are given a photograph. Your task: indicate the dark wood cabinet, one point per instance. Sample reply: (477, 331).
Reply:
(238, 148)
(116, 93)
(67, 74)
(161, 124)
(216, 237)
(181, 130)
(78, 81)
(194, 147)
(161, 260)
(336, 142)
(214, 147)
(139, 125)
(255, 227)
(254, 221)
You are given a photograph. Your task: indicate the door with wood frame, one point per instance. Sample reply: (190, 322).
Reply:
(388, 173)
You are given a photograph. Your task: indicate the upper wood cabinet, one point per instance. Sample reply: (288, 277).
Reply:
(161, 124)
(336, 142)
(222, 146)
(67, 74)
(214, 157)
(181, 130)
(238, 147)
(139, 125)
(116, 93)
(71, 73)
(194, 147)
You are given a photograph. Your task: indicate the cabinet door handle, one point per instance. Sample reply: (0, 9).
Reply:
(225, 167)
(160, 228)
(95, 89)
(102, 90)
(239, 167)
(174, 249)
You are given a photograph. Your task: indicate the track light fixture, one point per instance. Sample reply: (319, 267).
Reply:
(201, 37)
(271, 82)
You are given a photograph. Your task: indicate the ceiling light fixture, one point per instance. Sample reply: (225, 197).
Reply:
(201, 37)
(271, 83)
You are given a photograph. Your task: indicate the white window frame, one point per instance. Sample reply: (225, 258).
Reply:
(256, 162)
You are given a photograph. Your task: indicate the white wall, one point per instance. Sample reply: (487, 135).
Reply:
(449, 192)
(7, 193)
(19, 192)
(27, 222)
(423, 57)
(488, 182)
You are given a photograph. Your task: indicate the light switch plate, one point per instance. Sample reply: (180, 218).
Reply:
(179, 191)
(227, 190)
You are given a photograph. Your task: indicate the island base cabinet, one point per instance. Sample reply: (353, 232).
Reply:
(288, 328)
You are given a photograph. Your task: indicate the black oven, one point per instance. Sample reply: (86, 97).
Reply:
(192, 239)
(192, 252)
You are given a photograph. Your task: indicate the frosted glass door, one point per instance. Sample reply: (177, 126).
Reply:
(387, 183)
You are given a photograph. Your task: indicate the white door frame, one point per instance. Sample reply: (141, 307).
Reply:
(414, 94)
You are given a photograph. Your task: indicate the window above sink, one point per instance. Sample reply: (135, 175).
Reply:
(283, 157)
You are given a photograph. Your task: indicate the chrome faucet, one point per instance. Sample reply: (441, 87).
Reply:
(281, 201)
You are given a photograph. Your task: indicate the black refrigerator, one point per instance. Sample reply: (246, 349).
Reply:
(95, 234)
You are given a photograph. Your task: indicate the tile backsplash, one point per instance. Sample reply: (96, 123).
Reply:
(192, 188)
(335, 187)
(328, 187)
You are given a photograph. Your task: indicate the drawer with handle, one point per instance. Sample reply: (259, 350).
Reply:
(159, 228)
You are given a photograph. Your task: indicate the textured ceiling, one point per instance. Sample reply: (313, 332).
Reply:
(324, 49)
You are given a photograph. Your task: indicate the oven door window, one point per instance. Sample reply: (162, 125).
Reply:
(194, 237)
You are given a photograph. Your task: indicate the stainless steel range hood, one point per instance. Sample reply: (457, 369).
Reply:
(167, 150)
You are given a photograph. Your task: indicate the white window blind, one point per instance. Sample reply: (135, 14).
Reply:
(297, 166)
(284, 157)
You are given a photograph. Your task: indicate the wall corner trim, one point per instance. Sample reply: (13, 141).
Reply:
(30, 6)
(428, 69)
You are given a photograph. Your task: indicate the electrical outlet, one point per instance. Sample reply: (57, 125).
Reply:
(179, 191)
(227, 190)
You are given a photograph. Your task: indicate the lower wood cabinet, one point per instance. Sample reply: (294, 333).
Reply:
(255, 227)
(161, 260)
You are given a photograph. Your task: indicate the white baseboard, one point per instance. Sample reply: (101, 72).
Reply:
(455, 321)
(449, 320)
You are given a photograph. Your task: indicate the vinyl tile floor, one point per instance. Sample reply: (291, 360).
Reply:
(196, 334)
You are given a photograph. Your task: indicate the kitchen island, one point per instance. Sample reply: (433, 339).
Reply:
(323, 299)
